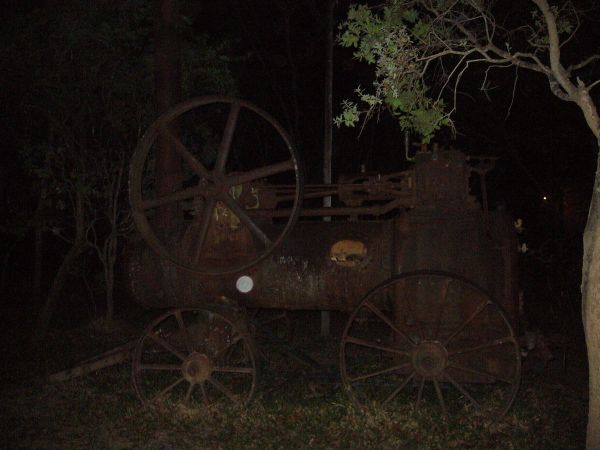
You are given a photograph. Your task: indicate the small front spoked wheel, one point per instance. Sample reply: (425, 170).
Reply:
(194, 357)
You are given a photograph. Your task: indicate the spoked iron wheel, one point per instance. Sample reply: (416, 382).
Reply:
(431, 341)
(272, 328)
(273, 322)
(230, 157)
(196, 358)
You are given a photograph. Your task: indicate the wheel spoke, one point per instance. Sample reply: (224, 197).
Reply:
(172, 198)
(234, 341)
(408, 310)
(230, 167)
(225, 145)
(420, 393)
(204, 396)
(431, 362)
(387, 321)
(467, 322)
(363, 343)
(440, 397)
(189, 392)
(420, 330)
(230, 377)
(185, 154)
(166, 345)
(481, 373)
(230, 395)
(246, 220)
(494, 343)
(188, 340)
(269, 320)
(169, 367)
(462, 390)
(205, 220)
(261, 172)
(380, 372)
(229, 369)
(168, 389)
(441, 308)
(399, 388)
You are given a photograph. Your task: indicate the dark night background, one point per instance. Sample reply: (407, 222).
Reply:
(276, 55)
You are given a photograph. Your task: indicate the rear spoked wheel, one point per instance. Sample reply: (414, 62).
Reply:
(430, 341)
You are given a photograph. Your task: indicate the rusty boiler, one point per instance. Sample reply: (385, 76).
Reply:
(436, 224)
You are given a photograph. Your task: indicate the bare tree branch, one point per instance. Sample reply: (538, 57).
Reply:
(582, 64)
(595, 83)
(558, 71)
(512, 96)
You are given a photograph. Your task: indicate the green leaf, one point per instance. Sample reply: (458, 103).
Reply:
(420, 29)
(410, 15)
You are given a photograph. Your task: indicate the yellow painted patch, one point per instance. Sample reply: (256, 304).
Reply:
(348, 253)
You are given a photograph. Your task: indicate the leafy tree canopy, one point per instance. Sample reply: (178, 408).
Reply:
(83, 74)
(422, 48)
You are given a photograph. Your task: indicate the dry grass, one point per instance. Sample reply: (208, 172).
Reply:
(290, 411)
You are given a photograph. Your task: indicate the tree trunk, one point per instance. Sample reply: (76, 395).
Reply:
(168, 93)
(109, 276)
(5, 265)
(293, 81)
(38, 254)
(78, 247)
(590, 290)
(110, 289)
(37, 263)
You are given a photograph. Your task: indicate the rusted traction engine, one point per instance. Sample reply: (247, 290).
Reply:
(425, 273)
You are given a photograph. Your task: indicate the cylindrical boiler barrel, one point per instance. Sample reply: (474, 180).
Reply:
(320, 265)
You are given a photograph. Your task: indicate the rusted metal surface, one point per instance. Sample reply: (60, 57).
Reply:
(360, 195)
(316, 267)
(209, 188)
(195, 357)
(311, 271)
(438, 225)
(418, 330)
(442, 179)
(443, 265)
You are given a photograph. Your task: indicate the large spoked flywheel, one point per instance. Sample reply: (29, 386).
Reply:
(224, 157)
(433, 341)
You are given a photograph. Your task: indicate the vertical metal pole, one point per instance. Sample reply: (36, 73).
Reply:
(328, 117)
(328, 133)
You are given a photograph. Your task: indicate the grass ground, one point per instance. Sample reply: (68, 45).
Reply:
(290, 411)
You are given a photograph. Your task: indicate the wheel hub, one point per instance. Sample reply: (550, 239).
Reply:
(429, 359)
(197, 368)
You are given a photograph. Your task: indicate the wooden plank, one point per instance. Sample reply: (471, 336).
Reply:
(109, 358)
